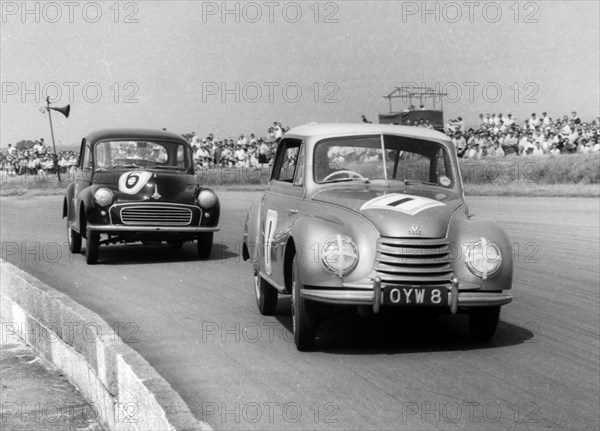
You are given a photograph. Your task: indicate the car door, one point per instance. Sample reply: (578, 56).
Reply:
(83, 176)
(281, 206)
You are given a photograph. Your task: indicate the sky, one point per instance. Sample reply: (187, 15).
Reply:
(235, 67)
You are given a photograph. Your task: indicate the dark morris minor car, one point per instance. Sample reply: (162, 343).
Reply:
(373, 216)
(138, 185)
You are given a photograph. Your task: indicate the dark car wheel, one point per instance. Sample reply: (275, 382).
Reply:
(304, 314)
(74, 239)
(205, 243)
(266, 296)
(483, 322)
(91, 247)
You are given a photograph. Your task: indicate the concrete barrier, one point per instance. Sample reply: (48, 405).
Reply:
(125, 392)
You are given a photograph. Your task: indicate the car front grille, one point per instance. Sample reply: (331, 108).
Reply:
(156, 215)
(408, 261)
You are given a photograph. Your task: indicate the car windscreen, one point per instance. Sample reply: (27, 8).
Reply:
(365, 158)
(141, 154)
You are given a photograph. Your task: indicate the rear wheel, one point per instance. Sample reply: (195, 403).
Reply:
(74, 239)
(483, 323)
(304, 314)
(205, 243)
(266, 296)
(91, 247)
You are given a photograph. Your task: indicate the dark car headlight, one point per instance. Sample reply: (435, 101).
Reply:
(483, 258)
(104, 197)
(339, 255)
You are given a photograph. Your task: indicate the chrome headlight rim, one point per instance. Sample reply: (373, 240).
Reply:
(207, 199)
(489, 266)
(330, 253)
(104, 197)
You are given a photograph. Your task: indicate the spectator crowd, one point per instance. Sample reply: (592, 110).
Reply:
(495, 136)
(498, 136)
(36, 160)
(244, 152)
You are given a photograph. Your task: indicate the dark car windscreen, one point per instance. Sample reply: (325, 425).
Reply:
(141, 154)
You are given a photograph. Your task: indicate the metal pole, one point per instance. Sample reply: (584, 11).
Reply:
(52, 133)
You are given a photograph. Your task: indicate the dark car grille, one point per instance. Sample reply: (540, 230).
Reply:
(407, 261)
(151, 215)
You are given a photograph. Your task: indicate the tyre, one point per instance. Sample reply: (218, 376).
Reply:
(91, 247)
(205, 243)
(304, 315)
(483, 323)
(74, 240)
(266, 296)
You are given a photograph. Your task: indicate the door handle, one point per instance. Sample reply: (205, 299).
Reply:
(292, 211)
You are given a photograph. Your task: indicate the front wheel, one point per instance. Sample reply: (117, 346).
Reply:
(205, 243)
(304, 314)
(74, 239)
(266, 296)
(91, 247)
(483, 323)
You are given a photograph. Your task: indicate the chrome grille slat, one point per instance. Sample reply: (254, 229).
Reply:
(411, 242)
(394, 269)
(156, 215)
(407, 250)
(421, 260)
(412, 279)
(410, 261)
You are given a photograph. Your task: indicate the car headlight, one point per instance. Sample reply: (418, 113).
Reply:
(207, 199)
(104, 197)
(339, 255)
(483, 258)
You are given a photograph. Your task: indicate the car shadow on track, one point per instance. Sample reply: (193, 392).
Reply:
(343, 331)
(139, 253)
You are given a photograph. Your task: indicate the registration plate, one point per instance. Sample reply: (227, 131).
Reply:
(415, 296)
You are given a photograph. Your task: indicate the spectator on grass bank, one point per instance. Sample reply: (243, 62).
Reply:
(563, 136)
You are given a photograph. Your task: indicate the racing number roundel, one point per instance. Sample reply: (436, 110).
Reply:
(132, 182)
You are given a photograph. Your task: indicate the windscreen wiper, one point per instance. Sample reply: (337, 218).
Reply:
(130, 165)
(410, 182)
(364, 180)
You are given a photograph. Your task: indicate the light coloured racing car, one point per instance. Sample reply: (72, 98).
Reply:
(373, 216)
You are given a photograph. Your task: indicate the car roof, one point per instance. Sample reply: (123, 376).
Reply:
(334, 129)
(134, 134)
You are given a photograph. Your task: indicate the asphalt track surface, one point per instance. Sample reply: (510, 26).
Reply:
(197, 324)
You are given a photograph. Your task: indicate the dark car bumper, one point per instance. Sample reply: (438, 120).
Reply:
(103, 228)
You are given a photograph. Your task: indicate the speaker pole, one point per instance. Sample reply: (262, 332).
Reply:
(53, 143)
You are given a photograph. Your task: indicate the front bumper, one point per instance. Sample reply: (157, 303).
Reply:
(374, 297)
(110, 228)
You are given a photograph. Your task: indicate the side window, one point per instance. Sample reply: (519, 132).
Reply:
(180, 156)
(287, 160)
(80, 157)
(87, 157)
(299, 176)
(441, 176)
